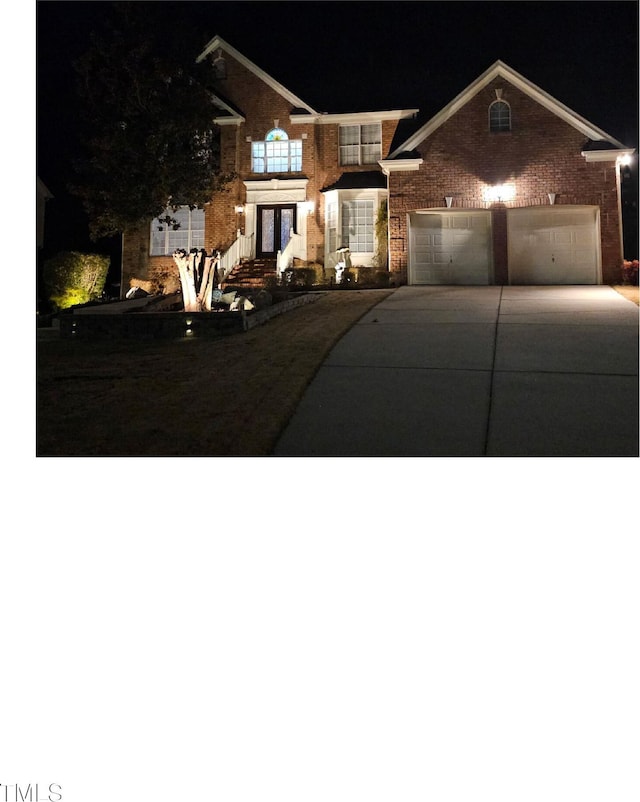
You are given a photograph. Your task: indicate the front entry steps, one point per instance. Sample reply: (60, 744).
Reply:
(253, 273)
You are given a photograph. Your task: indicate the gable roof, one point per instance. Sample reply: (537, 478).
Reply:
(501, 70)
(217, 43)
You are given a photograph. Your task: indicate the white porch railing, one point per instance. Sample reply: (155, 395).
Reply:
(241, 249)
(294, 249)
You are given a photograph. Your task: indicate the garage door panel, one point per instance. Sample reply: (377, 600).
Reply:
(450, 248)
(553, 246)
(562, 237)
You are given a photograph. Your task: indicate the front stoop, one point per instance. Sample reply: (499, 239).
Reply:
(250, 274)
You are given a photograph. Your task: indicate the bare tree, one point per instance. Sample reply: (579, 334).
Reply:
(198, 278)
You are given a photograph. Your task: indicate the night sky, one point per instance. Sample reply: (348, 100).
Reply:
(359, 56)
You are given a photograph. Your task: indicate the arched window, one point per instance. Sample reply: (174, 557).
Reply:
(499, 116)
(276, 154)
(276, 135)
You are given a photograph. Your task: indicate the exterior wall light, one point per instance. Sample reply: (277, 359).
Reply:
(499, 193)
(449, 201)
(625, 161)
(239, 209)
(309, 207)
(552, 197)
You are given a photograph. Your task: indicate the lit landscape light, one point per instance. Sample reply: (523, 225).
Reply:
(498, 193)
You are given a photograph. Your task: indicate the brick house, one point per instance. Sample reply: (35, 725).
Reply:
(504, 185)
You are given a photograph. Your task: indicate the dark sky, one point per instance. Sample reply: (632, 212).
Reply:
(341, 56)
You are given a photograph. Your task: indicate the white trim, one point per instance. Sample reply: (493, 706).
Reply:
(400, 165)
(502, 70)
(605, 155)
(354, 118)
(235, 118)
(277, 190)
(219, 44)
(229, 120)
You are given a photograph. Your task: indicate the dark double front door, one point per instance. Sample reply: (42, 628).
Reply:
(275, 226)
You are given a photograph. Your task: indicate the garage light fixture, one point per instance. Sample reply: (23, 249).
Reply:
(552, 197)
(449, 201)
(624, 161)
(499, 193)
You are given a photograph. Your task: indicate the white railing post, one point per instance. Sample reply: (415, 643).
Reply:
(238, 250)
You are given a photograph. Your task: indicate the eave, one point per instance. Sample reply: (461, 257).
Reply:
(355, 118)
(400, 165)
(233, 117)
(606, 155)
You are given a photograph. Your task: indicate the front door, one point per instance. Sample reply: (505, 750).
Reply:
(276, 224)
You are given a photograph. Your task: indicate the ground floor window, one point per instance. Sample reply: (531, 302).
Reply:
(186, 233)
(357, 225)
(332, 226)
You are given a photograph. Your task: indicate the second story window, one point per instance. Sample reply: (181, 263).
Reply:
(277, 154)
(360, 144)
(499, 116)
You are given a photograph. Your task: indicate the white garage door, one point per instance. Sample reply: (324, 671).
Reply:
(554, 245)
(450, 248)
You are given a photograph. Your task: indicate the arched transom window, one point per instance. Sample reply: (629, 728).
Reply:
(277, 154)
(499, 116)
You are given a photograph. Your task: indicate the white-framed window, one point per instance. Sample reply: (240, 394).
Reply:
(499, 116)
(332, 226)
(360, 144)
(166, 238)
(277, 154)
(357, 225)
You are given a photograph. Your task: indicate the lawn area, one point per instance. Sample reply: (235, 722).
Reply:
(630, 293)
(230, 396)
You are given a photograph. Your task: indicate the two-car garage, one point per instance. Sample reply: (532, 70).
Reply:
(545, 245)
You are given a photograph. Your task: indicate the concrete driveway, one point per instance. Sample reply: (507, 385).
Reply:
(478, 371)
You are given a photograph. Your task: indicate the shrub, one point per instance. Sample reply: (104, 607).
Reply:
(73, 278)
(272, 284)
(365, 275)
(630, 272)
(380, 259)
(300, 277)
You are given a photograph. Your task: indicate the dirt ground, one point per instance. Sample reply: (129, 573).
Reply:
(226, 397)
